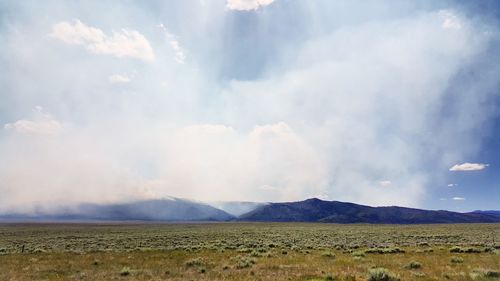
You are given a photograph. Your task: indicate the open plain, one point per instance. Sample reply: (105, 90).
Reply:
(248, 251)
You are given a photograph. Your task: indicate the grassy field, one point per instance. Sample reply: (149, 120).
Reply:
(249, 251)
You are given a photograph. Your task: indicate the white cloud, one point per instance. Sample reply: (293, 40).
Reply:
(442, 199)
(118, 78)
(458, 198)
(179, 53)
(247, 5)
(468, 167)
(124, 43)
(385, 183)
(450, 20)
(452, 184)
(41, 124)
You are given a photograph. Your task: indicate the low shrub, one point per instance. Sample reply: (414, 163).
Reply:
(486, 273)
(358, 258)
(428, 250)
(125, 271)
(194, 262)
(244, 250)
(469, 250)
(384, 251)
(414, 265)
(381, 274)
(328, 254)
(244, 262)
(492, 274)
(418, 274)
(257, 254)
(358, 254)
(456, 260)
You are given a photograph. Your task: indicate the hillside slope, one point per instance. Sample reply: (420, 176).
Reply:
(316, 210)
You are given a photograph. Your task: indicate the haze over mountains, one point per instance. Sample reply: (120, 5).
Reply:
(169, 209)
(310, 210)
(237, 208)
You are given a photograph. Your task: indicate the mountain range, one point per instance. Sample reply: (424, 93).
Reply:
(489, 212)
(310, 210)
(169, 209)
(316, 210)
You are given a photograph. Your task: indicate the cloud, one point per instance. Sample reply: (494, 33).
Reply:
(334, 107)
(41, 124)
(450, 20)
(179, 53)
(118, 78)
(385, 183)
(458, 198)
(124, 43)
(468, 167)
(247, 5)
(452, 184)
(442, 199)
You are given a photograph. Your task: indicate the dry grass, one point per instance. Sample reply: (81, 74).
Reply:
(247, 252)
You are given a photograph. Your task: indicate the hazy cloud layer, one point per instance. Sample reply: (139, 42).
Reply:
(373, 110)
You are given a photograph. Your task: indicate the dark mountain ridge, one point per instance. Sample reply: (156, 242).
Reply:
(316, 210)
(488, 212)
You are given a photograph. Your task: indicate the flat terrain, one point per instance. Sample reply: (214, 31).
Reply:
(249, 251)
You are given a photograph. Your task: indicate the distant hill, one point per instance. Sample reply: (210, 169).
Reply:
(316, 210)
(172, 209)
(488, 212)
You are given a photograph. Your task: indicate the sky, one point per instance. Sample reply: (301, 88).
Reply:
(373, 102)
